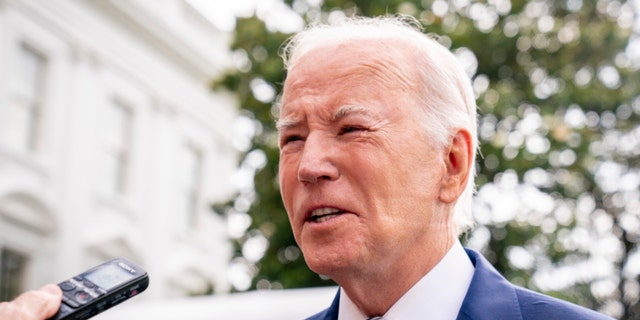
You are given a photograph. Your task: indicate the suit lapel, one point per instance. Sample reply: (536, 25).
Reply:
(490, 295)
(331, 313)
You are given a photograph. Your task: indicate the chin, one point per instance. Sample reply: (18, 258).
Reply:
(327, 262)
(324, 270)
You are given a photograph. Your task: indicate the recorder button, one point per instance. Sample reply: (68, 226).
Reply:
(88, 284)
(64, 309)
(69, 301)
(67, 286)
(82, 297)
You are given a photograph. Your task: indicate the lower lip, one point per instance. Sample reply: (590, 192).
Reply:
(326, 218)
(328, 221)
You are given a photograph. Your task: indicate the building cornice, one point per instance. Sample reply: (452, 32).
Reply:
(200, 60)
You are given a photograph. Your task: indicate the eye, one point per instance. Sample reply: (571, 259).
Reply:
(291, 138)
(349, 129)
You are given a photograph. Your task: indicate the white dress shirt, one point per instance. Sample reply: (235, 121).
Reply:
(436, 296)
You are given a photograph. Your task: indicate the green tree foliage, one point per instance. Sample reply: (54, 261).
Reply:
(558, 205)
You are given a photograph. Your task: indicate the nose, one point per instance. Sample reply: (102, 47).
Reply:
(316, 163)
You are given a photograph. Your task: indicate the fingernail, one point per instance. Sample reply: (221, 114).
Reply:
(51, 288)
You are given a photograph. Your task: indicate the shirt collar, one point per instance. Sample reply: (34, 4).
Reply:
(438, 295)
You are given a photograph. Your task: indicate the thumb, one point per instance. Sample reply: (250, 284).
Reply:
(52, 289)
(51, 298)
(33, 305)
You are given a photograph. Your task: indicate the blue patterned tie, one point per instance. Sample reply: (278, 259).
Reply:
(376, 318)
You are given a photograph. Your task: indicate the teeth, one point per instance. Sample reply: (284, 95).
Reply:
(323, 218)
(323, 212)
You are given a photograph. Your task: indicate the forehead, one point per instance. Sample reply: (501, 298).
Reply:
(360, 68)
(387, 60)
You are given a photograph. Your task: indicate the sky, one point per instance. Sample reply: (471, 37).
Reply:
(274, 12)
(223, 12)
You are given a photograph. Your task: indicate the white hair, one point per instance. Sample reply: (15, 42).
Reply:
(445, 90)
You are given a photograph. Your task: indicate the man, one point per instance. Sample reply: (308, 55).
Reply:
(377, 145)
(377, 137)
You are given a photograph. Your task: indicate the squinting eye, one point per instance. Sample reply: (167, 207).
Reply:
(348, 129)
(290, 139)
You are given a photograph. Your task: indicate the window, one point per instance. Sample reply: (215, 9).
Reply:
(188, 182)
(116, 149)
(26, 100)
(12, 269)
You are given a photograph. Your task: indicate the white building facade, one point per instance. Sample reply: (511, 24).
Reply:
(112, 143)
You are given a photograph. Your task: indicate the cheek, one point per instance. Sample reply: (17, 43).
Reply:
(287, 168)
(410, 180)
(287, 180)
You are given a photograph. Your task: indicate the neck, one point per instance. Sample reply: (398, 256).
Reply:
(376, 291)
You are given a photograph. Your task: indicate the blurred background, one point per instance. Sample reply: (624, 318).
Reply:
(145, 129)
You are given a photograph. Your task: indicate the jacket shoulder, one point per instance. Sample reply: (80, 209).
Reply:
(490, 296)
(538, 306)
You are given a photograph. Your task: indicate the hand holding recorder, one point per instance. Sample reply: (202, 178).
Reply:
(82, 296)
(33, 305)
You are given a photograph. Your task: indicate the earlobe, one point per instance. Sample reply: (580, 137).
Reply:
(458, 162)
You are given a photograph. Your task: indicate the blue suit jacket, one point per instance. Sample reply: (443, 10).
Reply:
(492, 297)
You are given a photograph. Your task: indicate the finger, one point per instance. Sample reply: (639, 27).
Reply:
(52, 296)
(33, 305)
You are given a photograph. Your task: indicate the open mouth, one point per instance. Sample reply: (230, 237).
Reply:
(324, 214)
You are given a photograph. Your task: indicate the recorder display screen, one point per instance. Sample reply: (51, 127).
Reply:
(108, 277)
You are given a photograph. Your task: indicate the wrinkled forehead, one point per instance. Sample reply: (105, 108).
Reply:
(336, 77)
(386, 61)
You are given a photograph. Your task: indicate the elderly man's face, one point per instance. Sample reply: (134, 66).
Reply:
(359, 175)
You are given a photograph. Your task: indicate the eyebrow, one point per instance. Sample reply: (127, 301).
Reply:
(350, 109)
(343, 111)
(283, 124)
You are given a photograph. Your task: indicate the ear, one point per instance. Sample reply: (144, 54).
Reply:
(458, 162)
